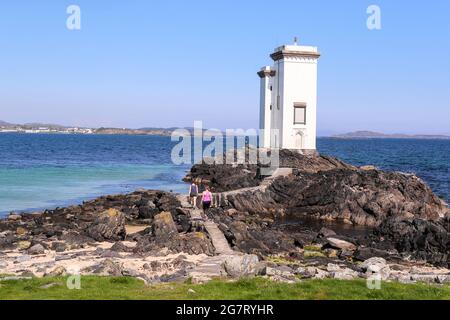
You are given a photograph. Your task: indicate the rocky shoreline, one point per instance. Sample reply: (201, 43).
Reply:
(403, 229)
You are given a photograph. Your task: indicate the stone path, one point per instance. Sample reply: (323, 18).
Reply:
(212, 267)
(218, 239)
(198, 219)
(222, 198)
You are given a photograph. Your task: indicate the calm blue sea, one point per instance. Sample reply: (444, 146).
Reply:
(44, 171)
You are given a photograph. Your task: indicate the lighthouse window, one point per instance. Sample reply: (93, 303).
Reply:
(299, 114)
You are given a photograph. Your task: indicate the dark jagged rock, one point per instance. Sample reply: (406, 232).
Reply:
(311, 163)
(106, 268)
(358, 196)
(423, 239)
(326, 233)
(164, 234)
(75, 239)
(363, 254)
(193, 243)
(36, 249)
(120, 247)
(164, 228)
(252, 234)
(326, 188)
(226, 177)
(7, 242)
(110, 225)
(405, 213)
(59, 246)
(80, 225)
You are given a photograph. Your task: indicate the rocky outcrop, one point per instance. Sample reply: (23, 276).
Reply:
(359, 196)
(395, 240)
(252, 233)
(422, 239)
(341, 244)
(238, 266)
(109, 225)
(102, 219)
(226, 177)
(325, 188)
(36, 249)
(164, 228)
(164, 233)
(354, 196)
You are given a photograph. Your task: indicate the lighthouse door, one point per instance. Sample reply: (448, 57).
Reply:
(299, 140)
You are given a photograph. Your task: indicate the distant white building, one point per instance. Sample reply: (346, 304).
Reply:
(289, 99)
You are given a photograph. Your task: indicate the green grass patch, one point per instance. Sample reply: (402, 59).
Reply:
(282, 261)
(313, 248)
(313, 254)
(102, 288)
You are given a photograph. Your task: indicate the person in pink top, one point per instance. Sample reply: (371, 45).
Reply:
(206, 199)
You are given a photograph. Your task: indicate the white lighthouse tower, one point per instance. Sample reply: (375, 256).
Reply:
(288, 104)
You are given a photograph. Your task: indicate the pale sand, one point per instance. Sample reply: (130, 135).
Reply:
(76, 265)
(134, 229)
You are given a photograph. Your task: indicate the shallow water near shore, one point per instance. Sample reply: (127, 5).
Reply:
(39, 171)
(42, 171)
(306, 224)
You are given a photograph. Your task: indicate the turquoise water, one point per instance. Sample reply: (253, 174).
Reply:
(47, 187)
(45, 171)
(40, 171)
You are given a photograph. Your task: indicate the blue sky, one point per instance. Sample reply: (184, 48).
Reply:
(168, 63)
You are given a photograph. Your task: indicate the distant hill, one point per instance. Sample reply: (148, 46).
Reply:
(33, 125)
(371, 135)
(147, 131)
(43, 125)
(5, 124)
(38, 127)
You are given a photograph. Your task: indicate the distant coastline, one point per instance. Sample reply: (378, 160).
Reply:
(378, 135)
(31, 128)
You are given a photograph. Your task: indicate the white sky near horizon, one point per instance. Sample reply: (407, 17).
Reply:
(168, 63)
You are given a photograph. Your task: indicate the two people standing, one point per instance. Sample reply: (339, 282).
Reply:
(207, 196)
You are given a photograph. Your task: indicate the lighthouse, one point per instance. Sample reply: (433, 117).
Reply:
(288, 101)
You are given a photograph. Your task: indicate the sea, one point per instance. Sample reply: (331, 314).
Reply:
(45, 171)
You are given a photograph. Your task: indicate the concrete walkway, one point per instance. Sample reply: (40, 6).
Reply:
(212, 267)
(222, 198)
(199, 220)
(218, 239)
